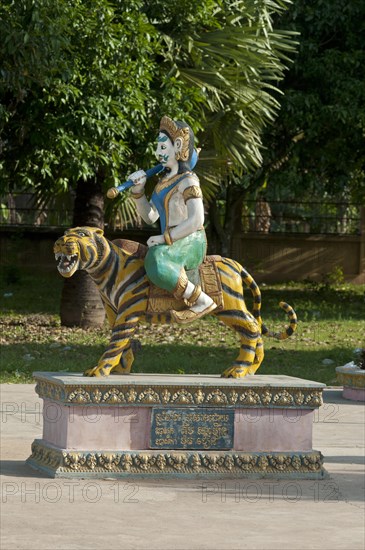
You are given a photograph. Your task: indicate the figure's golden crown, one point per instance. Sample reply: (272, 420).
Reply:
(169, 126)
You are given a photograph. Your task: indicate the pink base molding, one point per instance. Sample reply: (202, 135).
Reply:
(354, 394)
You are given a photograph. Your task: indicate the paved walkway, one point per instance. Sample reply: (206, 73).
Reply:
(42, 513)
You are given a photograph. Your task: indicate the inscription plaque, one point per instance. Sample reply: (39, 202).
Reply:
(192, 428)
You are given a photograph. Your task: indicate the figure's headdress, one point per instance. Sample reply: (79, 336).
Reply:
(169, 126)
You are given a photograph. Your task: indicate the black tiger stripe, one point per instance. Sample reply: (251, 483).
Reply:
(235, 314)
(226, 262)
(111, 279)
(137, 277)
(231, 292)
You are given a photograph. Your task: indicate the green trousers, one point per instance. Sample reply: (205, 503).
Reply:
(164, 262)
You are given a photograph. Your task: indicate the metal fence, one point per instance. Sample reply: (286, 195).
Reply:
(315, 217)
(21, 209)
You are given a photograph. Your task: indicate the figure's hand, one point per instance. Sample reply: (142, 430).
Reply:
(139, 179)
(155, 240)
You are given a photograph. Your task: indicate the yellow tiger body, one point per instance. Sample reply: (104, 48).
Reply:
(124, 288)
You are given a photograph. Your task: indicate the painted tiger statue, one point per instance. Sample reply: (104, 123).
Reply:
(117, 268)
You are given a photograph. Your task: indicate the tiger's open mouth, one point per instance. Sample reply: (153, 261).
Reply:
(66, 262)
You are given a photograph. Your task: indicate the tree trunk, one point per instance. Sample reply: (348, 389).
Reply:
(81, 304)
(222, 227)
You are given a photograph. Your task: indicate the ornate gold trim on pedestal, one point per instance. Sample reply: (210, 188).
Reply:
(138, 395)
(351, 377)
(63, 463)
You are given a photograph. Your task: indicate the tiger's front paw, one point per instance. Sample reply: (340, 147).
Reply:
(97, 371)
(235, 372)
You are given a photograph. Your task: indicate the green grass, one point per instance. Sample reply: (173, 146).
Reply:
(331, 327)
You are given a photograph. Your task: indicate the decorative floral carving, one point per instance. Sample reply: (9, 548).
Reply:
(299, 398)
(228, 462)
(113, 396)
(96, 396)
(178, 460)
(312, 461)
(233, 397)
(195, 461)
(247, 462)
(141, 395)
(250, 397)
(165, 396)
(280, 462)
(80, 396)
(263, 462)
(296, 462)
(131, 395)
(126, 462)
(182, 397)
(283, 398)
(199, 397)
(108, 461)
(142, 460)
(91, 461)
(161, 462)
(212, 462)
(266, 397)
(217, 397)
(187, 462)
(74, 460)
(314, 399)
(149, 397)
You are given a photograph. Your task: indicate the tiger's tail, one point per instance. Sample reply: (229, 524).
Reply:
(253, 286)
(250, 282)
(288, 330)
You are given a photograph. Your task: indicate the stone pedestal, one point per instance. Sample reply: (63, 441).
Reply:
(353, 380)
(169, 425)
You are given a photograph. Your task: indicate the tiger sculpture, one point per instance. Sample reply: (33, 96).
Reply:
(118, 271)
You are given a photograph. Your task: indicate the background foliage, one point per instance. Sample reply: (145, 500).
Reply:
(316, 147)
(84, 84)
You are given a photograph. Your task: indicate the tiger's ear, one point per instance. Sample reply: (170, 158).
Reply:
(93, 230)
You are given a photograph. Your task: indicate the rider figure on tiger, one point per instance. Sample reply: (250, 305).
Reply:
(178, 201)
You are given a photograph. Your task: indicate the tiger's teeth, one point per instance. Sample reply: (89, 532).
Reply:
(69, 258)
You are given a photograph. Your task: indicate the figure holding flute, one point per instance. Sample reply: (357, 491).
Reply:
(177, 201)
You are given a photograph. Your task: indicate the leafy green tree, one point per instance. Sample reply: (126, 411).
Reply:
(316, 147)
(69, 103)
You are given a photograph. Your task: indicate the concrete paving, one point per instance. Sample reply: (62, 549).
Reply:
(42, 513)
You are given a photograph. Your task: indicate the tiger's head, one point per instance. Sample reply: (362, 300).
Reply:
(79, 248)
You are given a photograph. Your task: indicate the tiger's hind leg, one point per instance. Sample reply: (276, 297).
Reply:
(251, 350)
(259, 357)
